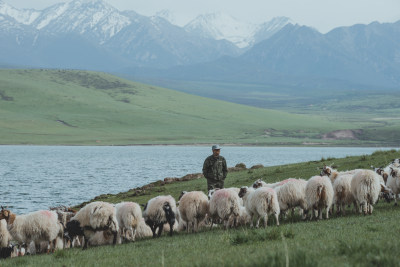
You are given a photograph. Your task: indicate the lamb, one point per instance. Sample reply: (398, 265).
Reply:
(393, 182)
(94, 217)
(365, 186)
(224, 206)
(319, 195)
(159, 211)
(39, 226)
(128, 215)
(292, 194)
(193, 208)
(342, 192)
(260, 202)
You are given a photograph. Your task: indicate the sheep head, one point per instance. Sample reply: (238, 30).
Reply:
(211, 192)
(393, 172)
(243, 191)
(326, 170)
(7, 215)
(257, 184)
(387, 193)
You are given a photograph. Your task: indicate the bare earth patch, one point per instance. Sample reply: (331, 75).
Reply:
(342, 134)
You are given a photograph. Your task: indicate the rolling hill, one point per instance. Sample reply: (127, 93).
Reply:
(92, 108)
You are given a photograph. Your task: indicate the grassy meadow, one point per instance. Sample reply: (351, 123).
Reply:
(351, 240)
(60, 107)
(373, 111)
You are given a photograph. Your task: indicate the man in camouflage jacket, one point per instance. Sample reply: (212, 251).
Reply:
(214, 169)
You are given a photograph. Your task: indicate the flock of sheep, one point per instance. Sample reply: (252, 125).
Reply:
(100, 223)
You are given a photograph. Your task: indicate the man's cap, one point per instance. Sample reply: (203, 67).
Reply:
(216, 147)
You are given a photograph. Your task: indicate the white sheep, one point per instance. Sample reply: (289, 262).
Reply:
(319, 195)
(39, 226)
(5, 236)
(94, 217)
(260, 203)
(159, 211)
(393, 182)
(193, 208)
(342, 192)
(128, 215)
(292, 194)
(366, 187)
(224, 206)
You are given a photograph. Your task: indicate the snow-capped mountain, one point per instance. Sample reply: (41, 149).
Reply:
(56, 33)
(222, 26)
(94, 18)
(269, 28)
(24, 16)
(100, 21)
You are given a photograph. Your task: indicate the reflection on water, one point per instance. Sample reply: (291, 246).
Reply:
(37, 177)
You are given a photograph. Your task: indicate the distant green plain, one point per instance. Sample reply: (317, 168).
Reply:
(68, 107)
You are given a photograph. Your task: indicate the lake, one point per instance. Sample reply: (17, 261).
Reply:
(39, 177)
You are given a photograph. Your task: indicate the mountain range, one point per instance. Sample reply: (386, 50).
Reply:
(75, 33)
(82, 34)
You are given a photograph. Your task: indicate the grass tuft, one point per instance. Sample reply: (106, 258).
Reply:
(59, 254)
(369, 254)
(260, 235)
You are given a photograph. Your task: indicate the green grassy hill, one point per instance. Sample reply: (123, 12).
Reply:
(91, 108)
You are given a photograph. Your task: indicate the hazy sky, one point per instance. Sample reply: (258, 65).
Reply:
(321, 14)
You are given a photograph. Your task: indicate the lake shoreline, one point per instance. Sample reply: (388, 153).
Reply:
(322, 145)
(38, 177)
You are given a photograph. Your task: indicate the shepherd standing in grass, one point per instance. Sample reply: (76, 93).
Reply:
(214, 169)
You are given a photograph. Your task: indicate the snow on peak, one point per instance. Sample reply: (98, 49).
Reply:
(223, 26)
(83, 16)
(269, 28)
(220, 26)
(24, 16)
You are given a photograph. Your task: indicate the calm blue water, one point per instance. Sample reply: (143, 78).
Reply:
(37, 177)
